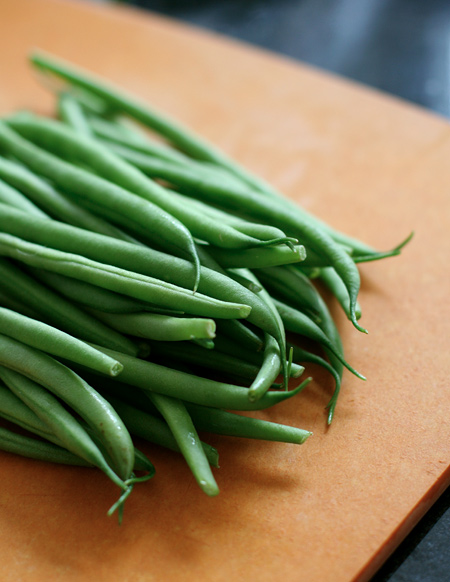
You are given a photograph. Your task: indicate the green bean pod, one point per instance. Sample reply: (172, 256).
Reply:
(156, 378)
(152, 428)
(13, 197)
(62, 140)
(54, 202)
(145, 260)
(131, 209)
(127, 282)
(55, 310)
(68, 386)
(55, 342)
(61, 422)
(164, 328)
(37, 449)
(71, 112)
(177, 417)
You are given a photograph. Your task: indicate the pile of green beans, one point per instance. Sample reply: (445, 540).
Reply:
(147, 283)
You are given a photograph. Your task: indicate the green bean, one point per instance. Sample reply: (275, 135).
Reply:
(37, 449)
(55, 342)
(240, 334)
(12, 197)
(151, 428)
(71, 112)
(130, 209)
(260, 234)
(57, 311)
(61, 140)
(17, 412)
(185, 434)
(205, 418)
(334, 283)
(164, 328)
(228, 423)
(216, 360)
(297, 322)
(328, 326)
(60, 421)
(193, 177)
(270, 368)
(132, 107)
(55, 203)
(144, 260)
(304, 356)
(263, 257)
(75, 392)
(88, 295)
(319, 234)
(159, 379)
(292, 287)
(132, 284)
(109, 133)
(274, 361)
(14, 410)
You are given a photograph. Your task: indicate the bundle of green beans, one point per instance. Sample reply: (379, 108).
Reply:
(146, 286)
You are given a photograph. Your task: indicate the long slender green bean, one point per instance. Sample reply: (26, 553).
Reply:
(71, 112)
(60, 421)
(13, 197)
(229, 423)
(145, 260)
(130, 209)
(13, 409)
(68, 386)
(297, 322)
(37, 449)
(55, 310)
(258, 258)
(54, 202)
(132, 284)
(156, 378)
(55, 342)
(206, 418)
(164, 328)
(60, 139)
(152, 428)
(177, 417)
(88, 295)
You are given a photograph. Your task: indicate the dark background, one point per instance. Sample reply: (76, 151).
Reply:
(401, 47)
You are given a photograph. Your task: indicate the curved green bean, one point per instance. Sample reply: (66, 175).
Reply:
(55, 310)
(131, 209)
(55, 342)
(55, 203)
(156, 378)
(61, 422)
(13, 197)
(68, 386)
(127, 282)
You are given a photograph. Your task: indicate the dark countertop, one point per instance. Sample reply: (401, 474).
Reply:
(401, 47)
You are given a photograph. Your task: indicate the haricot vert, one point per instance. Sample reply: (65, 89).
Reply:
(153, 288)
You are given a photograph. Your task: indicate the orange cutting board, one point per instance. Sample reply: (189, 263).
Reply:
(374, 167)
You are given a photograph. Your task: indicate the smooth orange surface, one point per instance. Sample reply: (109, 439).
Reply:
(333, 509)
